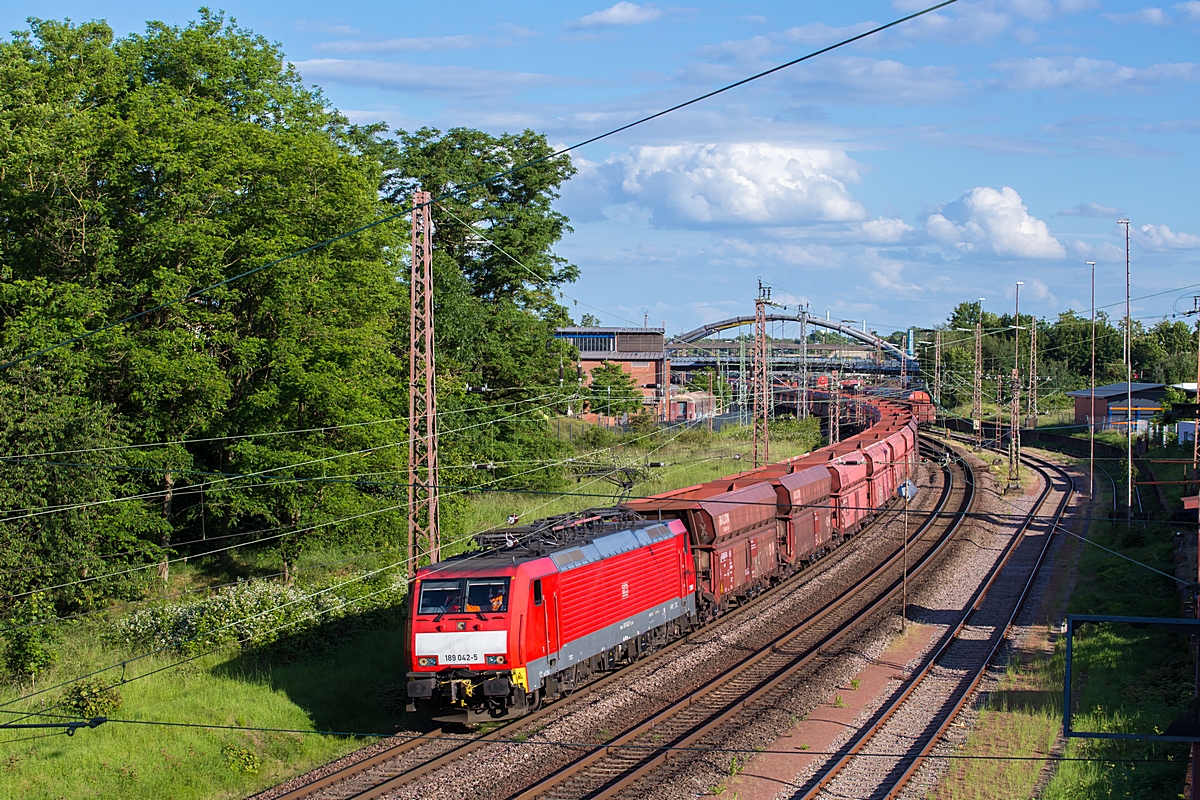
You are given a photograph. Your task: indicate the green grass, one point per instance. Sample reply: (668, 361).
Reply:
(146, 761)
(691, 458)
(346, 676)
(1126, 680)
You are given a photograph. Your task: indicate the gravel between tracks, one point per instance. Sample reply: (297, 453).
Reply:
(502, 769)
(934, 600)
(1030, 621)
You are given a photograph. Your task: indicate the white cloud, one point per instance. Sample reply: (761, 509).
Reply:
(1102, 252)
(744, 254)
(1044, 9)
(739, 49)
(623, 13)
(324, 26)
(1144, 16)
(423, 79)
(1161, 237)
(419, 44)
(866, 80)
(1092, 210)
(1040, 291)
(1190, 10)
(885, 230)
(986, 218)
(747, 183)
(819, 33)
(1088, 73)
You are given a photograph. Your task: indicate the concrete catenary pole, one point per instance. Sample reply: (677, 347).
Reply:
(1128, 390)
(1092, 404)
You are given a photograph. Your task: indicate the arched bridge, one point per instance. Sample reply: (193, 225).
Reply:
(736, 322)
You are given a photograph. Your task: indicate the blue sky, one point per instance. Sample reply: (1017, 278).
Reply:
(991, 142)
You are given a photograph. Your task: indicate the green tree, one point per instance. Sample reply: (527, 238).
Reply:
(139, 169)
(612, 391)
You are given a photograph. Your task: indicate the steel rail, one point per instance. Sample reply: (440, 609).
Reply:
(650, 757)
(959, 697)
(392, 782)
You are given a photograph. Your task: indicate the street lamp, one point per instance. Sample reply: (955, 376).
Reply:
(1128, 390)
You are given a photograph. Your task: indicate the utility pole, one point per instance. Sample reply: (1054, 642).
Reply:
(423, 518)
(802, 315)
(1033, 376)
(762, 376)
(977, 392)
(937, 369)
(1196, 423)
(1014, 423)
(1092, 405)
(1128, 390)
(903, 369)
(1196, 599)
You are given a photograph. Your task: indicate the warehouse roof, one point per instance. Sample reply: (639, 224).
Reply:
(1118, 389)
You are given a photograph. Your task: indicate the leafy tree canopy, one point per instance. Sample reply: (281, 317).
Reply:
(139, 169)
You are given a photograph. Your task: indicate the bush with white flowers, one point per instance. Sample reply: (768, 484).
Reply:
(253, 613)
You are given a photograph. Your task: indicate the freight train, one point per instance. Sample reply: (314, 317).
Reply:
(539, 609)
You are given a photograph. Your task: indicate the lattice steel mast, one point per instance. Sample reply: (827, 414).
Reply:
(977, 390)
(803, 317)
(937, 368)
(1033, 376)
(762, 376)
(423, 518)
(835, 408)
(1014, 423)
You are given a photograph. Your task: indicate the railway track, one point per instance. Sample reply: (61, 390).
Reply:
(609, 770)
(927, 705)
(415, 757)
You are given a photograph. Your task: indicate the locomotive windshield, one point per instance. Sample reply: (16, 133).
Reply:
(447, 596)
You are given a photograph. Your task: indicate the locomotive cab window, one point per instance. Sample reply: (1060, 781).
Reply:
(537, 592)
(440, 597)
(487, 594)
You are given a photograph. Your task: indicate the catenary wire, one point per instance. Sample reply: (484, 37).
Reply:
(293, 531)
(124, 663)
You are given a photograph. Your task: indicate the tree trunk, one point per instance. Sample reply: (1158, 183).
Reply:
(226, 558)
(164, 567)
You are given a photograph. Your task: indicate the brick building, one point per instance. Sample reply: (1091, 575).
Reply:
(640, 352)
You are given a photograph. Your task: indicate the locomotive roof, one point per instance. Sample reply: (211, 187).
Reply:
(570, 540)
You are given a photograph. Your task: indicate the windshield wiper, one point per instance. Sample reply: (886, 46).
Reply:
(444, 610)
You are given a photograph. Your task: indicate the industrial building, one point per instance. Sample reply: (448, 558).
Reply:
(640, 352)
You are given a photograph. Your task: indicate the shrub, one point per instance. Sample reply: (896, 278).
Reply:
(92, 698)
(30, 637)
(241, 759)
(595, 437)
(255, 613)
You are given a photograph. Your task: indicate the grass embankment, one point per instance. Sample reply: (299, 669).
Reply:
(1125, 680)
(345, 675)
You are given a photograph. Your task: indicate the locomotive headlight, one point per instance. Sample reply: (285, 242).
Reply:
(427, 661)
(495, 660)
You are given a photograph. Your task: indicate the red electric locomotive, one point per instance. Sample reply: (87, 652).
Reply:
(542, 607)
